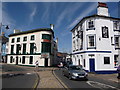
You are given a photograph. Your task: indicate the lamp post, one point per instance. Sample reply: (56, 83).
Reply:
(6, 26)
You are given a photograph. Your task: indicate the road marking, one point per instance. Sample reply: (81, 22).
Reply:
(101, 85)
(60, 80)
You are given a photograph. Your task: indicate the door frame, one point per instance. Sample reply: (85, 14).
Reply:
(46, 62)
(92, 64)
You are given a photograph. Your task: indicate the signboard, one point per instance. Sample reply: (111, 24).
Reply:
(44, 55)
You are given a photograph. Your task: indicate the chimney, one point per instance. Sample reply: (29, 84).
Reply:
(52, 26)
(16, 31)
(102, 9)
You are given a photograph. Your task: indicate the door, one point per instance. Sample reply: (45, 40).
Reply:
(46, 62)
(17, 60)
(92, 64)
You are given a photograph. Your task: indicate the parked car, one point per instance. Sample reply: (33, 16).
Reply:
(75, 72)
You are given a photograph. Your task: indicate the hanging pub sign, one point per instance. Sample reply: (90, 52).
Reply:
(105, 33)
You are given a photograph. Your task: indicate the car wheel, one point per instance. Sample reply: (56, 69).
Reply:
(70, 78)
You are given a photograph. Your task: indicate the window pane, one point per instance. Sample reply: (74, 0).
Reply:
(90, 24)
(13, 40)
(12, 49)
(24, 48)
(25, 39)
(105, 33)
(23, 60)
(32, 37)
(31, 48)
(18, 48)
(18, 39)
(106, 60)
(31, 60)
(46, 36)
(46, 47)
(91, 40)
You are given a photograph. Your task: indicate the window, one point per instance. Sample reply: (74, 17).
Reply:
(105, 33)
(46, 36)
(106, 60)
(46, 47)
(116, 25)
(111, 40)
(13, 40)
(24, 38)
(18, 39)
(74, 46)
(84, 64)
(116, 60)
(117, 42)
(12, 49)
(91, 41)
(31, 60)
(73, 34)
(91, 24)
(11, 59)
(31, 48)
(18, 48)
(23, 60)
(24, 48)
(32, 37)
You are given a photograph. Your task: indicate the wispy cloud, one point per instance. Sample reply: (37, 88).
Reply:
(33, 12)
(46, 14)
(67, 11)
(85, 13)
(7, 20)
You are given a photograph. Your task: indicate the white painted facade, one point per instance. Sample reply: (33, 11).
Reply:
(22, 58)
(96, 42)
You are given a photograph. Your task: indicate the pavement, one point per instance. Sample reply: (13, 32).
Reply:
(46, 78)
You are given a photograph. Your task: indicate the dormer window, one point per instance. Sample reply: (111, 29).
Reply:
(90, 25)
(116, 25)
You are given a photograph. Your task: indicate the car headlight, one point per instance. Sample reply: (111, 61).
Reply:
(75, 74)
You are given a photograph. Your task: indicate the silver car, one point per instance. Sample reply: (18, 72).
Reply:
(75, 72)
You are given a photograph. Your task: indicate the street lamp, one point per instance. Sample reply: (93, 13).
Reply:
(6, 26)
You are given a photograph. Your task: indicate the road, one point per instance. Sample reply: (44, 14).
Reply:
(18, 77)
(93, 82)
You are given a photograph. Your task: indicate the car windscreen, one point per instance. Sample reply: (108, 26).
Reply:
(75, 68)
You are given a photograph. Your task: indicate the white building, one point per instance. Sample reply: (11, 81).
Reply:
(96, 42)
(26, 47)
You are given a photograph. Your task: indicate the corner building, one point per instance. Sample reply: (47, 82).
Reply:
(26, 47)
(96, 42)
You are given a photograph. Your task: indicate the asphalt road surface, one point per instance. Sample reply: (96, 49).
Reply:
(17, 80)
(92, 83)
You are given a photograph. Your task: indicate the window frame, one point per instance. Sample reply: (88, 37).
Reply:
(32, 37)
(117, 46)
(117, 26)
(88, 45)
(25, 38)
(105, 32)
(46, 36)
(18, 39)
(89, 25)
(106, 62)
(13, 40)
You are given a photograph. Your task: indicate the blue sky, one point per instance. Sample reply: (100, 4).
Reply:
(64, 15)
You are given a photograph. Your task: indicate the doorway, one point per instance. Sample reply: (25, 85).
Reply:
(46, 62)
(17, 60)
(92, 64)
